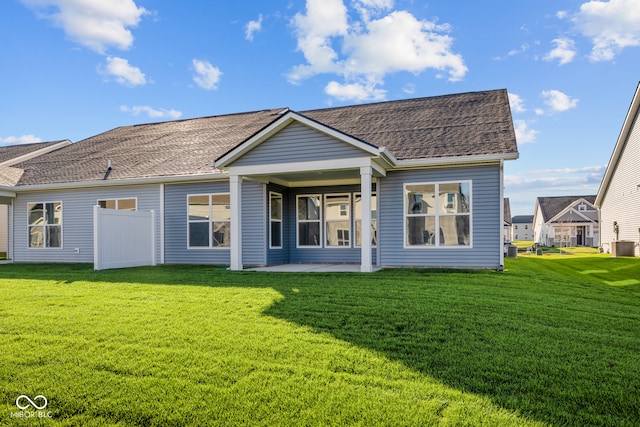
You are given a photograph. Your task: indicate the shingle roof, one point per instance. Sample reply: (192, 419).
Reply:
(182, 147)
(442, 126)
(552, 206)
(522, 219)
(12, 151)
(473, 123)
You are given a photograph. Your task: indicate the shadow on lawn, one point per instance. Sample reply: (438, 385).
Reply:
(532, 346)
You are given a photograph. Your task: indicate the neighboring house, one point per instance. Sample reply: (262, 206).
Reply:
(566, 221)
(11, 155)
(506, 229)
(522, 227)
(415, 182)
(619, 194)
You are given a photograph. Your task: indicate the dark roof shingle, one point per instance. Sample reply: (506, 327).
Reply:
(552, 206)
(465, 124)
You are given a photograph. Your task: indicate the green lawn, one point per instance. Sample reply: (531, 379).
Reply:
(551, 340)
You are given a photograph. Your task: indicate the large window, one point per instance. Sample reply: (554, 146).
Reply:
(357, 206)
(337, 209)
(45, 224)
(309, 220)
(121, 204)
(438, 214)
(209, 221)
(275, 220)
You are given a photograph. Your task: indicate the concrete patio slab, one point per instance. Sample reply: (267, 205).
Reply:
(311, 268)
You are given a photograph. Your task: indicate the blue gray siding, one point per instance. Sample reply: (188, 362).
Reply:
(299, 143)
(77, 221)
(486, 223)
(253, 227)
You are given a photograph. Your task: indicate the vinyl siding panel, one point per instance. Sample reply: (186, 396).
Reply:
(254, 233)
(622, 199)
(77, 221)
(4, 228)
(298, 143)
(253, 227)
(486, 225)
(175, 225)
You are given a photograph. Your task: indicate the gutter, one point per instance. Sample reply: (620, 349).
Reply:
(455, 160)
(216, 176)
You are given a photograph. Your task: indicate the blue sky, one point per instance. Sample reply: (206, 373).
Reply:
(75, 68)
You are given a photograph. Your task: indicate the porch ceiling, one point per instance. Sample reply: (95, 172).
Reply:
(293, 179)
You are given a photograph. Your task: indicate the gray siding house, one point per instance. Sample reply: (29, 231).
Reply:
(409, 183)
(566, 221)
(619, 194)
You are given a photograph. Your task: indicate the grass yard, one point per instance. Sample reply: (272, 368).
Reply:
(550, 341)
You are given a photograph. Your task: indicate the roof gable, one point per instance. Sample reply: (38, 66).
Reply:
(289, 133)
(551, 207)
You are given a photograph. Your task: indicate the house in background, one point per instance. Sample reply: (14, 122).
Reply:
(522, 227)
(619, 193)
(506, 230)
(566, 221)
(9, 156)
(409, 183)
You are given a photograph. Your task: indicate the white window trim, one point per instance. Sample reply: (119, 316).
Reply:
(280, 195)
(355, 241)
(437, 216)
(320, 220)
(350, 220)
(210, 221)
(117, 200)
(45, 248)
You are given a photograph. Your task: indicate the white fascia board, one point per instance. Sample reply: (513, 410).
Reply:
(318, 165)
(218, 176)
(456, 160)
(281, 123)
(634, 109)
(6, 192)
(35, 153)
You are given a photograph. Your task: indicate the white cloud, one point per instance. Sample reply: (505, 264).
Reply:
(524, 134)
(206, 75)
(516, 102)
(24, 139)
(364, 51)
(549, 181)
(253, 27)
(611, 26)
(558, 101)
(123, 73)
(354, 91)
(564, 51)
(97, 24)
(151, 112)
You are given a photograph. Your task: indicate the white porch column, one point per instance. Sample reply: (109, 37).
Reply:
(365, 191)
(235, 188)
